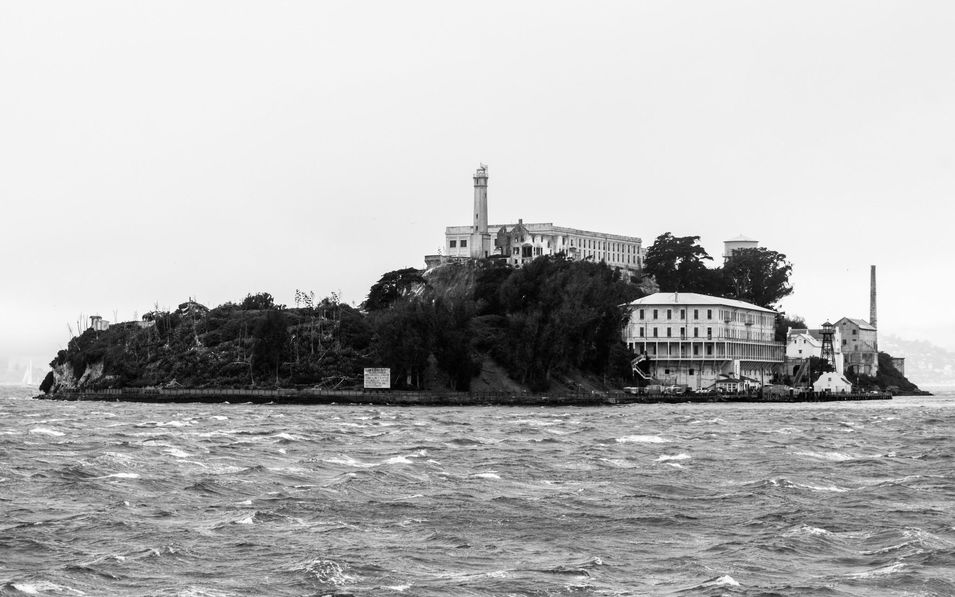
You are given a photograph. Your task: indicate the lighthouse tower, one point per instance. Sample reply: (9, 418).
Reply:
(480, 239)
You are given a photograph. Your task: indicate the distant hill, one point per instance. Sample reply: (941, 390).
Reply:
(925, 363)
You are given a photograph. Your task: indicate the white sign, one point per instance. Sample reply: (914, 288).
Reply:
(377, 378)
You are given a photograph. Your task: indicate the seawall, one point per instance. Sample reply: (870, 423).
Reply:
(395, 398)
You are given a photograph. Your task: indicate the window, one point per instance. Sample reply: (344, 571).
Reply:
(709, 313)
(855, 332)
(669, 313)
(464, 243)
(682, 313)
(655, 334)
(656, 313)
(641, 313)
(709, 333)
(696, 313)
(843, 342)
(709, 349)
(666, 371)
(641, 332)
(669, 332)
(453, 244)
(682, 332)
(691, 371)
(696, 332)
(696, 349)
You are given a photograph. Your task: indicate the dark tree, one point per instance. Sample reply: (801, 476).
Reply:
(391, 287)
(759, 276)
(784, 323)
(271, 342)
(403, 342)
(677, 264)
(261, 300)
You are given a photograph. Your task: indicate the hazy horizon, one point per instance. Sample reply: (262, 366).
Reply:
(153, 153)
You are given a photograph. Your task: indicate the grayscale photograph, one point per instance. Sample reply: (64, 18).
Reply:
(522, 299)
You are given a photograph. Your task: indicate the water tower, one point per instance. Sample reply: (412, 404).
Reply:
(828, 352)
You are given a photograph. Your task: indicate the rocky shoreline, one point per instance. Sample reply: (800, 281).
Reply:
(393, 398)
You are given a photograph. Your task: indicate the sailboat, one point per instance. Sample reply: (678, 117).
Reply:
(28, 375)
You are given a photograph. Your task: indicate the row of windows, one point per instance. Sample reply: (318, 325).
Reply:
(696, 333)
(669, 312)
(454, 243)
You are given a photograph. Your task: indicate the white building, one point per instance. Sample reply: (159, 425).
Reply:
(834, 383)
(522, 242)
(804, 343)
(696, 340)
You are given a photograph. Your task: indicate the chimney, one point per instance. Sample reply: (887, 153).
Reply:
(872, 313)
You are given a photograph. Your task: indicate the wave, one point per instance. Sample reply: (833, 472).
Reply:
(642, 439)
(47, 431)
(668, 458)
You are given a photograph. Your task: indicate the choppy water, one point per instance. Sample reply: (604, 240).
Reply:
(144, 499)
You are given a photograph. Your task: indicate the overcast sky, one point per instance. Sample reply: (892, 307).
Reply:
(150, 152)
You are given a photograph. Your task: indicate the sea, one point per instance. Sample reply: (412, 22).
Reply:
(217, 500)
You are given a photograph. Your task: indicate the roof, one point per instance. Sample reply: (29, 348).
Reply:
(741, 239)
(694, 299)
(861, 323)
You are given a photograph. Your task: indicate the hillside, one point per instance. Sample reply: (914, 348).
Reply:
(479, 325)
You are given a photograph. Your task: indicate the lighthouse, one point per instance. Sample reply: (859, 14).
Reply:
(480, 239)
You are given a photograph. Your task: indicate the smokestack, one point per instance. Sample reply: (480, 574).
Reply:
(872, 314)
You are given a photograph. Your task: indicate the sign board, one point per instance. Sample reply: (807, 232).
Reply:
(377, 378)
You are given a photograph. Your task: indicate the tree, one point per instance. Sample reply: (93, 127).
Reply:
(270, 342)
(677, 264)
(261, 300)
(759, 276)
(391, 287)
(784, 323)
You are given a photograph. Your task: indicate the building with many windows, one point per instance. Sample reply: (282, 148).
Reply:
(860, 346)
(802, 344)
(522, 242)
(698, 340)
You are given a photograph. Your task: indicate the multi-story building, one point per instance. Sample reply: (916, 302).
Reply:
(802, 344)
(522, 242)
(860, 345)
(698, 340)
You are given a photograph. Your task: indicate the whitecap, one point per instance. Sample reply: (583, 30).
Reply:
(247, 520)
(120, 476)
(831, 488)
(830, 456)
(219, 418)
(806, 530)
(46, 431)
(884, 571)
(349, 461)
(486, 476)
(398, 588)
(42, 586)
(398, 460)
(668, 458)
(643, 439)
(287, 436)
(177, 453)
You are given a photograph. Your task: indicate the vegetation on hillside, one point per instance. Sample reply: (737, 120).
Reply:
(551, 318)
